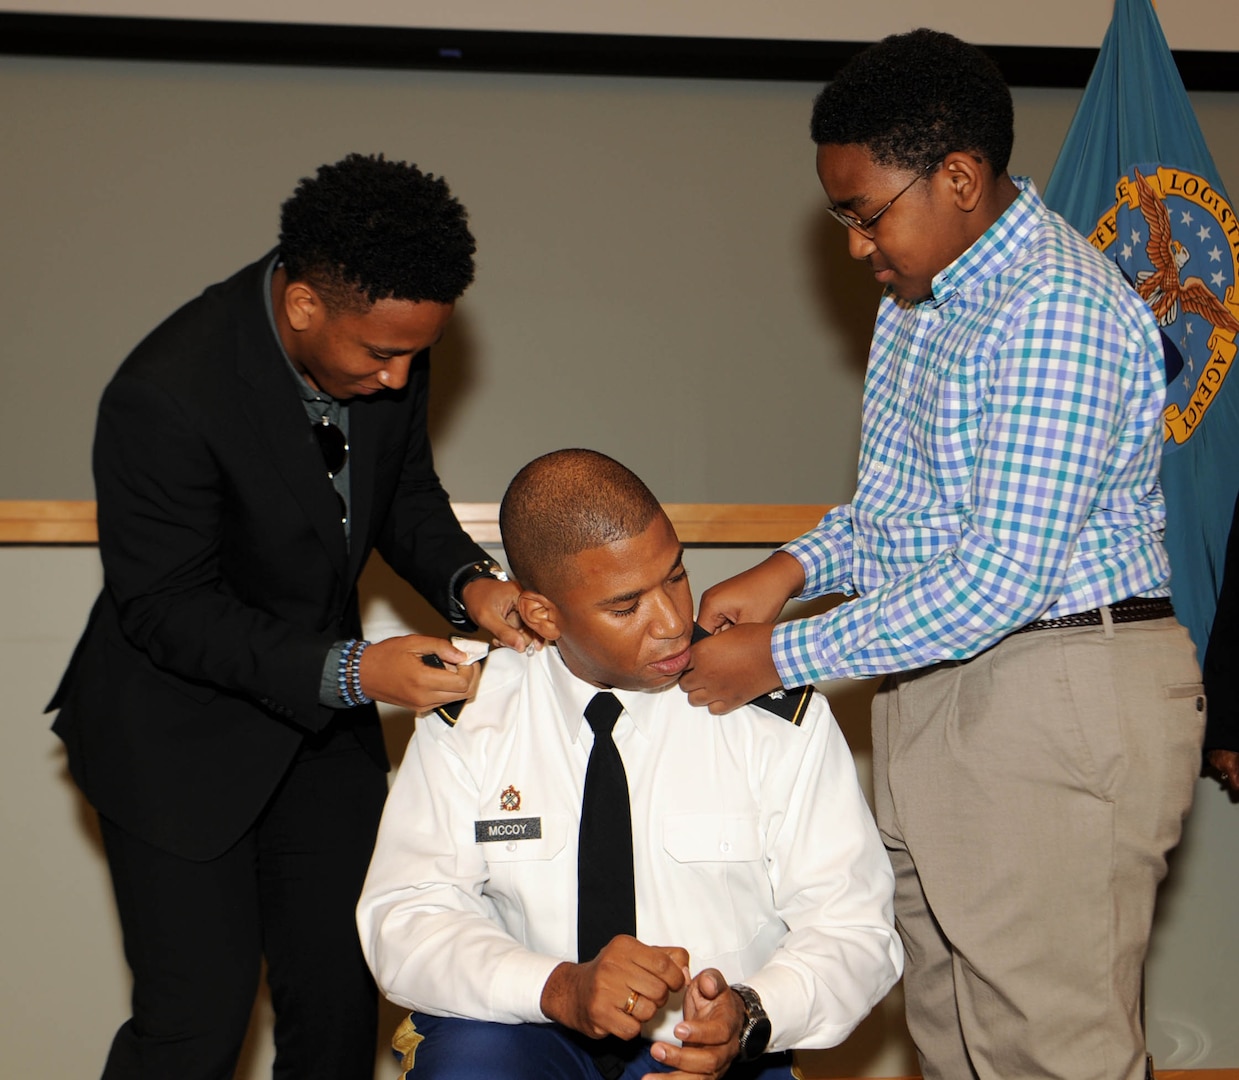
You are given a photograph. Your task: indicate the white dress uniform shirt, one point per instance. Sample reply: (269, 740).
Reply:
(753, 849)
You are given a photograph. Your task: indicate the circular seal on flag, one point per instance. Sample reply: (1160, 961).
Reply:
(1176, 239)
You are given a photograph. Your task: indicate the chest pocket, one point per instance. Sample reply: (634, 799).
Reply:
(712, 838)
(508, 849)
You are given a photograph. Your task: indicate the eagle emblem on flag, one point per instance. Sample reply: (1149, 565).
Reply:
(1163, 287)
(1176, 239)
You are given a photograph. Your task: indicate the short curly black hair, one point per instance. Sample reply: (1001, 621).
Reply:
(367, 229)
(913, 98)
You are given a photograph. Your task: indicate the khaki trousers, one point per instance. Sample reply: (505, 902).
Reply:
(1028, 798)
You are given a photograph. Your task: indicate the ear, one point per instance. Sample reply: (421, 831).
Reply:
(540, 614)
(969, 178)
(301, 304)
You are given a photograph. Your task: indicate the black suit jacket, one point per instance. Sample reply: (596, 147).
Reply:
(1222, 654)
(226, 572)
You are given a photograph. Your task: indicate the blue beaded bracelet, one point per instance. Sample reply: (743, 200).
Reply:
(353, 671)
(342, 674)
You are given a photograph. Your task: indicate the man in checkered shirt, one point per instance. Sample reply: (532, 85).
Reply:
(1028, 784)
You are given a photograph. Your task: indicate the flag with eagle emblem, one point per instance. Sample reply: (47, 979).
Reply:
(1135, 176)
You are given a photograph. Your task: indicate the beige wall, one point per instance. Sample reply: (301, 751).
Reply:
(656, 279)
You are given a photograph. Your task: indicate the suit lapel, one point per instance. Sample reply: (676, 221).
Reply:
(273, 409)
(376, 426)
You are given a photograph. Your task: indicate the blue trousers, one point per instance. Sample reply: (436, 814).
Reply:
(454, 1049)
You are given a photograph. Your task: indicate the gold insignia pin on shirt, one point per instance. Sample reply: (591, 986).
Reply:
(510, 799)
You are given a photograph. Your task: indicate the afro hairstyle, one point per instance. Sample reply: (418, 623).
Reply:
(368, 229)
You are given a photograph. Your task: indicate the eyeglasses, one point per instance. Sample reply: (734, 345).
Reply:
(865, 228)
(333, 445)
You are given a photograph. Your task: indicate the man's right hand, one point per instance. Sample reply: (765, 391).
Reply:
(756, 595)
(1227, 764)
(393, 671)
(593, 998)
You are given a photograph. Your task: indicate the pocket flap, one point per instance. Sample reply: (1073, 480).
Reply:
(712, 837)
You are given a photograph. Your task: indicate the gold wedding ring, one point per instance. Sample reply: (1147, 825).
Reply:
(631, 1003)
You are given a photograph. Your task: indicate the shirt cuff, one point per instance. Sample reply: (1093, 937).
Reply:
(790, 1011)
(518, 984)
(823, 554)
(796, 653)
(328, 688)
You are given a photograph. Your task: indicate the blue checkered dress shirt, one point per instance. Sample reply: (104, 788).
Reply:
(1010, 445)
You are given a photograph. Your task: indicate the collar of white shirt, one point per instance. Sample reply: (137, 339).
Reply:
(573, 694)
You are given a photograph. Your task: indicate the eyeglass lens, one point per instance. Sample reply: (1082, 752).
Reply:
(865, 227)
(334, 447)
(332, 444)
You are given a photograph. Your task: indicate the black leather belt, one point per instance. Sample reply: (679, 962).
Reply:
(1137, 609)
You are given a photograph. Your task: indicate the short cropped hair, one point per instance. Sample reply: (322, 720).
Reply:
(367, 229)
(913, 98)
(565, 502)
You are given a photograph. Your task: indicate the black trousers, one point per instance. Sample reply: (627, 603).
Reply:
(195, 934)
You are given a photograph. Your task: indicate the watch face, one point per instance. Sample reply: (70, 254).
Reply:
(758, 1038)
(755, 1036)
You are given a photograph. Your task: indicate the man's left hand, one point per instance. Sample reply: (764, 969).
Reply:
(710, 1030)
(731, 668)
(491, 604)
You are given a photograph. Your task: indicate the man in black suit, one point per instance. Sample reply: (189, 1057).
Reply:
(218, 711)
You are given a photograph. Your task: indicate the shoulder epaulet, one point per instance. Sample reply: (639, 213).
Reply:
(791, 705)
(450, 712)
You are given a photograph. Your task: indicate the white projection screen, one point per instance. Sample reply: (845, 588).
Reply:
(1207, 25)
(1051, 42)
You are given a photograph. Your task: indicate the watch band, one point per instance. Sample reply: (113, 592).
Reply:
(755, 1035)
(468, 573)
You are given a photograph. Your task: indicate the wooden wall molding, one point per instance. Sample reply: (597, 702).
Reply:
(47, 522)
(727, 524)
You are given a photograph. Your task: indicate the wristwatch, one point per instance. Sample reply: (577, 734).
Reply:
(466, 574)
(755, 1035)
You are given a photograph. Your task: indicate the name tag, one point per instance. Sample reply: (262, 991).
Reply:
(529, 828)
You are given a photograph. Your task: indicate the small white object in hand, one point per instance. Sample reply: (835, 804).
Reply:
(474, 650)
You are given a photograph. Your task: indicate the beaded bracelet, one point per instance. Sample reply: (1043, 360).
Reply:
(342, 673)
(353, 672)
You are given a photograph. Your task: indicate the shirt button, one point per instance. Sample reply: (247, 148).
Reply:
(511, 845)
(724, 847)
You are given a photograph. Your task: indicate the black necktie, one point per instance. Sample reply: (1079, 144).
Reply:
(606, 894)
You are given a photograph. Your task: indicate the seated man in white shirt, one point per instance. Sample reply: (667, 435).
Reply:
(763, 894)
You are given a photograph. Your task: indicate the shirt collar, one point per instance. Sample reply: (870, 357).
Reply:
(573, 694)
(996, 248)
